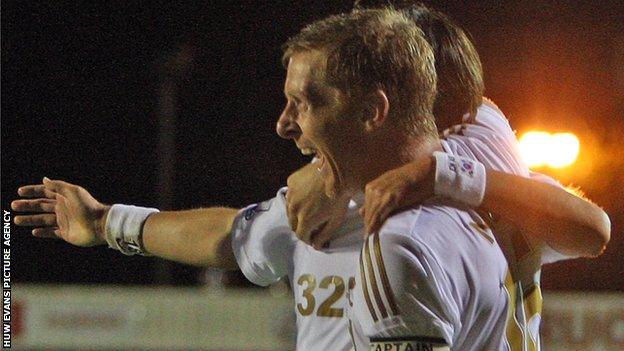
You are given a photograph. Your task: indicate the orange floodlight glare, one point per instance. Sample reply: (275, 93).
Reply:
(557, 150)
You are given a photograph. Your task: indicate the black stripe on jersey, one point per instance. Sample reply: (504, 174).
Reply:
(385, 282)
(373, 279)
(365, 288)
(428, 339)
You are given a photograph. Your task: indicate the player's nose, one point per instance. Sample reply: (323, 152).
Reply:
(286, 127)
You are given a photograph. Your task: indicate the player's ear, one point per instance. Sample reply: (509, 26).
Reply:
(377, 114)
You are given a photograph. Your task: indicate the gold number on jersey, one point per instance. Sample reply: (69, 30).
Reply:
(310, 283)
(325, 309)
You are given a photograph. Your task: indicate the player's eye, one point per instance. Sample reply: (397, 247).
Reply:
(300, 106)
(290, 104)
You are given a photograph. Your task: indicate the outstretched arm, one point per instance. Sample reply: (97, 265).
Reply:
(69, 212)
(567, 223)
(199, 237)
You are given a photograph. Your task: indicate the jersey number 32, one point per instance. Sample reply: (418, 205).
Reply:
(308, 283)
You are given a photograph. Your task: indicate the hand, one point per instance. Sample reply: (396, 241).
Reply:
(401, 187)
(312, 215)
(62, 210)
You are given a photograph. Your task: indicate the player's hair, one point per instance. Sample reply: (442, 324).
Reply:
(374, 49)
(460, 74)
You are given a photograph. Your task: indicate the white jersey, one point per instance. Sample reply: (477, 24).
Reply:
(432, 276)
(435, 275)
(498, 149)
(267, 250)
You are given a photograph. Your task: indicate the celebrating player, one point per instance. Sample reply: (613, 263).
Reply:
(262, 243)
(433, 276)
(444, 280)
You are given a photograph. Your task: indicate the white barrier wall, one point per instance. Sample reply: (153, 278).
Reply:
(122, 318)
(583, 321)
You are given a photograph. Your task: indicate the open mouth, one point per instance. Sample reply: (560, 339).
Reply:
(308, 151)
(317, 158)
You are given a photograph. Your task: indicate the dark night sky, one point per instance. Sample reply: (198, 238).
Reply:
(80, 102)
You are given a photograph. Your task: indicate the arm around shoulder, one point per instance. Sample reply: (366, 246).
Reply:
(568, 223)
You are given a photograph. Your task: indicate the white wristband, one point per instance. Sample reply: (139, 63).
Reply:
(124, 228)
(459, 178)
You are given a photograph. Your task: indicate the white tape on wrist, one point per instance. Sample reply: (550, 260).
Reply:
(459, 178)
(124, 228)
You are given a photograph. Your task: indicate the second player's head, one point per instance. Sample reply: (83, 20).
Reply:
(459, 70)
(359, 87)
(460, 75)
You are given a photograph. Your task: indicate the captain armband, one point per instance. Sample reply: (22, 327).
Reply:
(408, 344)
(459, 178)
(124, 228)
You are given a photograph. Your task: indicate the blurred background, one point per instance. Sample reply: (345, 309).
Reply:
(173, 105)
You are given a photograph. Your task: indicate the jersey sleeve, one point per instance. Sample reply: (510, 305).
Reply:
(402, 296)
(489, 139)
(262, 241)
(491, 118)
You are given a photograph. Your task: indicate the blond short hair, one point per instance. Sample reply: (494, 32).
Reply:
(375, 49)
